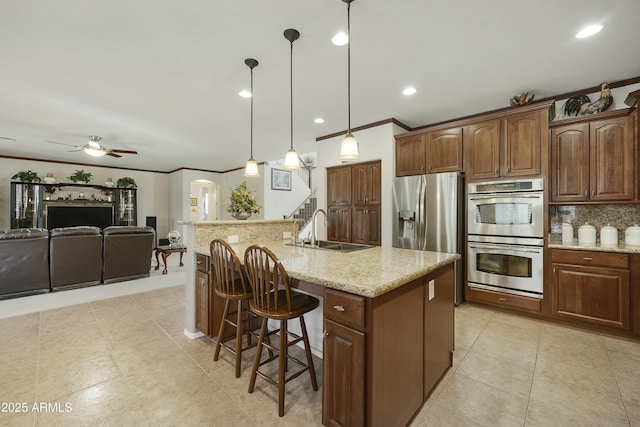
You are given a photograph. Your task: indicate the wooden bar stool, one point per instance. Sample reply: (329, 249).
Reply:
(229, 283)
(274, 299)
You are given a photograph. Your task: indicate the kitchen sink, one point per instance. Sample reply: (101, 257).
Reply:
(328, 245)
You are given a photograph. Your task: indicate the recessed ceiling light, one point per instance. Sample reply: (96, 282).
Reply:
(588, 31)
(409, 91)
(318, 120)
(340, 39)
(245, 94)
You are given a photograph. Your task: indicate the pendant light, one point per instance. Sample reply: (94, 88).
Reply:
(349, 146)
(251, 168)
(291, 162)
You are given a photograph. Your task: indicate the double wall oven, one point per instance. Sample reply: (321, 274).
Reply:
(506, 236)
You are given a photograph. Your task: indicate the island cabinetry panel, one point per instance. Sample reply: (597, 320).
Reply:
(591, 287)
(344, 356)
(430, 152)
(203, 294)
(635, 292)
(593, 161)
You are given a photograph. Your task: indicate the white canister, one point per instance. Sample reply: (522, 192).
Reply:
(586, 234)
(567, 233)
(608, 236)
(632, 236)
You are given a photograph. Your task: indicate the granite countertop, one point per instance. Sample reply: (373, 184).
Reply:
(597, 247)
(368, 272)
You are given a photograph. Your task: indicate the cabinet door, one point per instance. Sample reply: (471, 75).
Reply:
(484, 150)
(444, 151)
(343, 367)
(202, 302)
(591, 294)
(366, 183)
(339, 224)
(365, 225)
(570, 163)
(339, 186)
(612, 161)
(522, 145)
(410, 156)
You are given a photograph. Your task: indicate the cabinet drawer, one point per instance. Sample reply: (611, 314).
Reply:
(587, 258)
(507, 300)
(344, 308)
(202, 263)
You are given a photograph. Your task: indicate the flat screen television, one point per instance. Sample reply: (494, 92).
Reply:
(71, 216)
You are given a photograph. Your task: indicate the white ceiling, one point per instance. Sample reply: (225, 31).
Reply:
(162, 77)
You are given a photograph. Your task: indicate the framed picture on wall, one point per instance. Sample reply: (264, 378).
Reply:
(280, 180)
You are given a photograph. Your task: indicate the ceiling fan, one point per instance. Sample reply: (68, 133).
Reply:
(95, 149)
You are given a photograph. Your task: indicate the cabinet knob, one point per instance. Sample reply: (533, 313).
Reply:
(430, 166)
(201, 282)
(586, 193)
(587, 258)
(198, 262)
(324, 335)
(338, 307)
(422, 167)
(508, 169)
(496, 171)
(593, 193)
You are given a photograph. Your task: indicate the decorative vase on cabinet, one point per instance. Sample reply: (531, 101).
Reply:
(241, 215)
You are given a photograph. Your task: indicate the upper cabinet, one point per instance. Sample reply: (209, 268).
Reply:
(339, 186)
(511, 146)
(593, 161)
(366, 178)
(431, 152)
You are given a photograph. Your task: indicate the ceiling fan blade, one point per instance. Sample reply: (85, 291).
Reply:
(61, 143)
(124, 151)
(112, 154)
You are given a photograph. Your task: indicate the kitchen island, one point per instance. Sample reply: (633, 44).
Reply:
(388, 326)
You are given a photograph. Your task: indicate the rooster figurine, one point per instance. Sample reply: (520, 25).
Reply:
(581, 104)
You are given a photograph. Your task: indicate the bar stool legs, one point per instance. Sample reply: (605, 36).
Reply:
(239, 325)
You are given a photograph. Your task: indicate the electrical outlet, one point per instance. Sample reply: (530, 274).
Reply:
(286, 234)
(232, 239)
(432, 289)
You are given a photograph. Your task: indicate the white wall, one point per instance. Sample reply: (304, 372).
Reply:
(153, 193)
(375, 143)
(231, 180)
(281, 202)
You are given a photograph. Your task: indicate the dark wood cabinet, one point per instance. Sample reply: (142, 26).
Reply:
(593, 161)
(444, 151)
(339, 186)
(366, 225)
(410, 156)
(591, 287)
(483, 145)
(203, 294)
(366, 178)
(339, 229)
(358, 220)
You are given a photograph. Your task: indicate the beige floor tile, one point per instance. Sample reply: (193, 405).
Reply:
(554, 402)
(109, 403)
(111, 302)
(514, 379)
(509, 344)
(17, 400)
(626, 366)
(27, 325)
(486, 405)
(467, 331)
(53, 356)
(439, 416)
(74, 376)
(521, 322)
(17, 365)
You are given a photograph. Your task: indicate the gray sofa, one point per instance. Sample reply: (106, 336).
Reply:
(127, 252)
(75, 257)
(24, 262)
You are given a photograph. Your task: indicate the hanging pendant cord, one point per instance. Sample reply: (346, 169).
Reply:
(251, 113)
(291, 90)
(349, 68)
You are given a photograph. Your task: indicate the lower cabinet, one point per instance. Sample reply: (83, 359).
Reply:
(366, 225)
(591, 287)
(339, 229)
(383, 356)
(203, 293)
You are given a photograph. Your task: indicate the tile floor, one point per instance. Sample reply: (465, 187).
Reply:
(125, 361)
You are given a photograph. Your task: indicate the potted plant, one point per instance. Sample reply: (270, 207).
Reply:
(27, 176)
(126, 182)
(81, 176)
(243, 202)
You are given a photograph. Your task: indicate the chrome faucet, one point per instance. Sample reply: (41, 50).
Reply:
(314, 225)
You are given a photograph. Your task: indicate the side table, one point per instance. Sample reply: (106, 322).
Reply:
(165, 251)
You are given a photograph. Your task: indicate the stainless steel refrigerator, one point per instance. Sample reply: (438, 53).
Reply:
(429, 216)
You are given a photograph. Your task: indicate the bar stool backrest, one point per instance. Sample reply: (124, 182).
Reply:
(267, 275)
(228, 277)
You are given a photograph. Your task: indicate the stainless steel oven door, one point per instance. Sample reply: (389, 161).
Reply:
(506, 214)
(509, 268)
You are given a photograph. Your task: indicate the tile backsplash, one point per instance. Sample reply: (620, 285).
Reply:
(619, 216)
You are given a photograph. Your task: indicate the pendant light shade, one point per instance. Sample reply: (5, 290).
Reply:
(291, 162)
(349, 149)
(251, 167)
